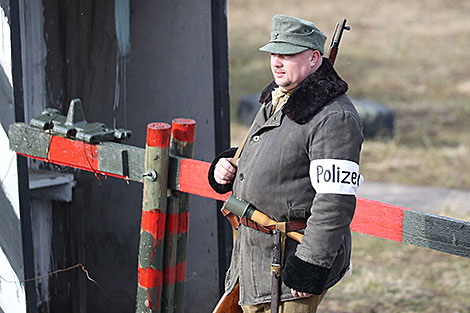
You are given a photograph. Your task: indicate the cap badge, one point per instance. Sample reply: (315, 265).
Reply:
(276, 35)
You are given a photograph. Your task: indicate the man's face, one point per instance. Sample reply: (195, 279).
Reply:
(289, 70)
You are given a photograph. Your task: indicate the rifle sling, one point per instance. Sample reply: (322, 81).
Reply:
(240, 148)
(290, 225)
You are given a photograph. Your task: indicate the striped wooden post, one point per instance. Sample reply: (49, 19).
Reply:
(170, 255)
(152, 233)
(182, 142)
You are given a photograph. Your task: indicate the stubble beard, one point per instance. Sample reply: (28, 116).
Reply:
(282, 83)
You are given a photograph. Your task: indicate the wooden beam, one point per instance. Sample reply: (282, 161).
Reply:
(190, 176)
(437, 232)
(378, 219)
(108, 158)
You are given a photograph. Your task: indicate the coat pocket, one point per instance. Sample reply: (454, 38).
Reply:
(260, 259)
(296, 213)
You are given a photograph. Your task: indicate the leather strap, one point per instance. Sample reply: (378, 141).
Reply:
(290, 225)
(232, 218)
(240, 148)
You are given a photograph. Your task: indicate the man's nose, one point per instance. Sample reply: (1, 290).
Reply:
(276, 60)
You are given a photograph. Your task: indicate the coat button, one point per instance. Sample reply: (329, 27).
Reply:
(241, 176)
(256, 138)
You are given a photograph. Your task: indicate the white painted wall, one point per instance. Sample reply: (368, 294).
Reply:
(8, 172)
(12, 293)
(5, 46)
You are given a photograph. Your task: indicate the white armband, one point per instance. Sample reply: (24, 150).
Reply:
(335, 176)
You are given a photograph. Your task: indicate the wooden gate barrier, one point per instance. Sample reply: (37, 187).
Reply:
(169, 174)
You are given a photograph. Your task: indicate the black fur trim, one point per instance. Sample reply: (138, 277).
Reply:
(220, 188)
(312, 94)
(265, 96)
(303, 276)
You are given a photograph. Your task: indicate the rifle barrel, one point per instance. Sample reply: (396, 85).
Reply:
(335, 40)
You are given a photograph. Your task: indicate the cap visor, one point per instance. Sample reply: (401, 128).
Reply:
(282, 48)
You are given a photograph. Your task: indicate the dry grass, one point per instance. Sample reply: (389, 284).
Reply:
(390, 277)
(412, 56)
(433, 166)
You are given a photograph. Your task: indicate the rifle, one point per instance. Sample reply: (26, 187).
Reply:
(335, 40)
(229, 302)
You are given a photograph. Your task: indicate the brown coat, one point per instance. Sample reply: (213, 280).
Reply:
(283, 171)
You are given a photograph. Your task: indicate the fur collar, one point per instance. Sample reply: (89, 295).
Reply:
(311, 95)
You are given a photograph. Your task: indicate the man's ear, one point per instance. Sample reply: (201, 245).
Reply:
(315, 58)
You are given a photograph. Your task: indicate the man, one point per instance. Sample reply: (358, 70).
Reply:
(300, 162)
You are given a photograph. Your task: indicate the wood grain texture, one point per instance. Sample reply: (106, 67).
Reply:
(437, 233)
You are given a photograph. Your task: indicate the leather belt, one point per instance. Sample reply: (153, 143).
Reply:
(290, 225)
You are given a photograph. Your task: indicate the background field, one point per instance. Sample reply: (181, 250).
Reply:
(412, 56)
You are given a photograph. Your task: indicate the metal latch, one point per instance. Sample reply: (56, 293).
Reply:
(76, 127)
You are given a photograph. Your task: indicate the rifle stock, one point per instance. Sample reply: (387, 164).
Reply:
(229, 302)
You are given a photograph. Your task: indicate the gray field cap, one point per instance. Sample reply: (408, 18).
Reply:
(291, 35)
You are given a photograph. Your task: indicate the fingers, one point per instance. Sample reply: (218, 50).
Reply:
(298, 294)
(224, 172)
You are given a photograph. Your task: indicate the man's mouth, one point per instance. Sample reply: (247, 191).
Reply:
(279, 74)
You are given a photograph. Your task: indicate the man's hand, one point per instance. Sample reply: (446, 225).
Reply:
(298, 294)
(224, 172)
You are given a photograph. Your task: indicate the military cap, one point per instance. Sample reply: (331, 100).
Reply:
(291, 35)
